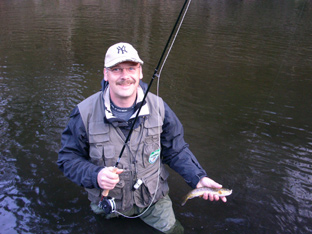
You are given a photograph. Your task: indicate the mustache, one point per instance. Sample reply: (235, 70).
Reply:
(125, 81)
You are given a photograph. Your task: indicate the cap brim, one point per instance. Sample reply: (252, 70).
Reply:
(120, 60)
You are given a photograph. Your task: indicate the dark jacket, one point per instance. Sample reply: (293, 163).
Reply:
(73, 158)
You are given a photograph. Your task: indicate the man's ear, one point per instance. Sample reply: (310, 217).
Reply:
(141, 73)
(105, 74)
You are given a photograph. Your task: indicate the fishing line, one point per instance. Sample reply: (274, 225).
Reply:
(157, 74)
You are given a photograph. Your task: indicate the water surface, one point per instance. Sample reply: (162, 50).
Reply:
(238, 77)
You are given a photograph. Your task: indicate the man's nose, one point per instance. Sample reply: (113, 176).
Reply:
(125, 72)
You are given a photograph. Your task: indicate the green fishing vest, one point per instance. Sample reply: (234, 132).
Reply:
(141, 157)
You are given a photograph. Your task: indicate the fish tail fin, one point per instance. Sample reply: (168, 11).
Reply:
(184, 200)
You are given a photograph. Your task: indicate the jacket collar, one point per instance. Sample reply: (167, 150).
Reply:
(109, 114)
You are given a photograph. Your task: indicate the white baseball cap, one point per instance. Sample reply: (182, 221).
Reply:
(121, 52)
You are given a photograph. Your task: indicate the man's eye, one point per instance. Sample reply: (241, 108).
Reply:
(116, 69)
(131, 68)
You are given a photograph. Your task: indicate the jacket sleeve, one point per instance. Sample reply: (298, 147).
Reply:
(176, 152)
(73, 158)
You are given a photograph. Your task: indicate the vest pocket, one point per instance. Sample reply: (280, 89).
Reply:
(96, 152)
(121, 192)
(116, 192)
(151, 152)
(98, 134)
(109, 155)
(151, 145)
(149, 187)
(94, 195)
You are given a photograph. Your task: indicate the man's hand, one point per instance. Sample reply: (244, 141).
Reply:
(207, 182)
(108, 177)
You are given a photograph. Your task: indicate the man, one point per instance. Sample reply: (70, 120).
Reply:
(96, 132)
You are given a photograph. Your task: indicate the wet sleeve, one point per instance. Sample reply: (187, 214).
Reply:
(176, 152)
(73, 157)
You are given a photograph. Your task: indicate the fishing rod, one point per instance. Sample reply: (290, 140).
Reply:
(156, 72)
(107, 203)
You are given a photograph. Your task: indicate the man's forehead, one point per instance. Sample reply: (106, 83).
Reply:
(126, 63)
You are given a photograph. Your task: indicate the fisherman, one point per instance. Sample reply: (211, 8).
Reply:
(96, 132)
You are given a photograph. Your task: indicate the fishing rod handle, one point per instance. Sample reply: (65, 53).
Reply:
(106, 191)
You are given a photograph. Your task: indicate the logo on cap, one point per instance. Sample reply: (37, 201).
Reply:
(122, 49)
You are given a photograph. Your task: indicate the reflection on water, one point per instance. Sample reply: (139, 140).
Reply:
(238, 78)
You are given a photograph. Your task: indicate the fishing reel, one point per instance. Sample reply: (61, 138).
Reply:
(107, 204)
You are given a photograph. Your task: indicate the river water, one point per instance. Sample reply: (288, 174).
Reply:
(238, 77)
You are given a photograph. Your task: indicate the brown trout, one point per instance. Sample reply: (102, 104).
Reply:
(200, 192)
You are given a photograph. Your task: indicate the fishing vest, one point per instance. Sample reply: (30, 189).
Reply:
(140, 159)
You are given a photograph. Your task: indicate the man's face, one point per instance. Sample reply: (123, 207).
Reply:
(123, 80)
